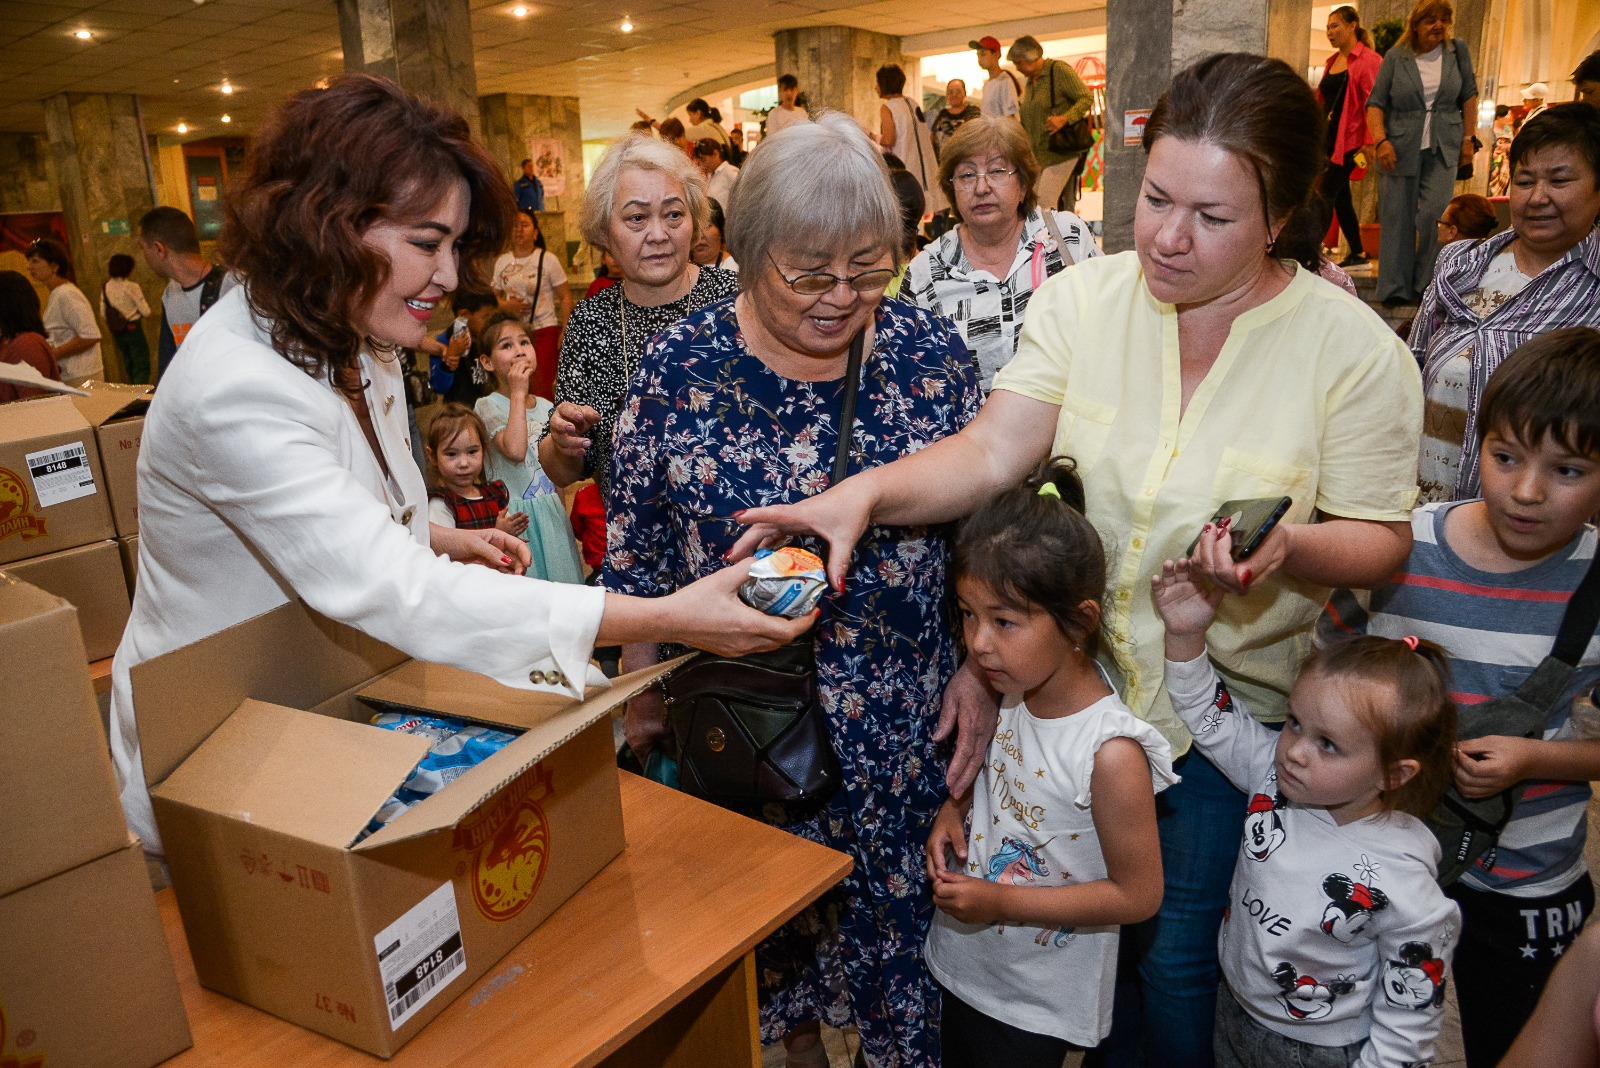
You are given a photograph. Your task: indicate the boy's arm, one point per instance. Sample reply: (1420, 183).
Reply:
(1486, 766)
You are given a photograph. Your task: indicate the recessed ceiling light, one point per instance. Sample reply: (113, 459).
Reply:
(227, 118)
(226, 87)
(183, 127)
(627, 25)
(520, 11)
(83, 35)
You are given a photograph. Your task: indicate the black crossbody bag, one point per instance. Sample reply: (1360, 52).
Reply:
(752, 728)
(1469, 828)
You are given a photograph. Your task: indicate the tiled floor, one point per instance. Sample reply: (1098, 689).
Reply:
(842, 1046)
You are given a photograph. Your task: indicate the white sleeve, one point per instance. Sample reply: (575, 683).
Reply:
(277, 477)
(439, 513)
(80, 316)
(139, 302)
(1408, 1006)
(553, 272)
(1076, 233)
(1230, 738)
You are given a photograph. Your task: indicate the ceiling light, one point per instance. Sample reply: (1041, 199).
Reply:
(83, 35)
(520, 11)
(227, 88)
(627, 24)
(183, 128)
(227, 118)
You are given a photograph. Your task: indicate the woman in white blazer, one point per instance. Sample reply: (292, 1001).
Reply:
(275, 461)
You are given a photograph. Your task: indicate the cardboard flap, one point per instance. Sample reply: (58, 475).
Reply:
(419, 686)
(295, 772)
(40, 416)
(550, 730)
(101, 402)
(181, 697)
(25, 374)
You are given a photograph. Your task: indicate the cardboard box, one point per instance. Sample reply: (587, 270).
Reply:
(88, 978)
(264, 774)
(58, 795)
(91, 578)
(129, 548)
(116, 412)
(52, 492)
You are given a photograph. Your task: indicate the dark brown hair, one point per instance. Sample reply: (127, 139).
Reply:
(19, 306)
(1472, 215)
(329, 164)
(53, 253)
(891, 78)
(451, 420)
(1548, 386)
(1264, 113)
(1572, 124)
(985, 136)
(1037, 549)
(120, 265)
(1402, 696)
(171, 227)
(485, 342)
(671, 129)
(1351, 17)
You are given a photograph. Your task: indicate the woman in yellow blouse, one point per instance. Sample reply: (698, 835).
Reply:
(1202, 366)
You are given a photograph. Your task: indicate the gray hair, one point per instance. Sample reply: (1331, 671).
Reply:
(1025, 49)
(639, 151)
(819, 185)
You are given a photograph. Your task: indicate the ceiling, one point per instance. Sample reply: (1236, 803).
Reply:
(176, 54)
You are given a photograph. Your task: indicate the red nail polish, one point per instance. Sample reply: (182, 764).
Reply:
(1244, 576)
(505, 559)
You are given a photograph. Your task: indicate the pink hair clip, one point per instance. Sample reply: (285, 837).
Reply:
(1411, 642)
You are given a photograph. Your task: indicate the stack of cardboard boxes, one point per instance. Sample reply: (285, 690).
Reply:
(69, 516)
(88, 978)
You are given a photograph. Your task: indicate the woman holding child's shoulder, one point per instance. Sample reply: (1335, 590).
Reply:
(1213, 369)
(289, 476)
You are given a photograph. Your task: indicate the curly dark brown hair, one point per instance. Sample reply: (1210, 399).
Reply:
(328, 165)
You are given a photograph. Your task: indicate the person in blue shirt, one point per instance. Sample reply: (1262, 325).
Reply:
(450, 354)
(528, 190)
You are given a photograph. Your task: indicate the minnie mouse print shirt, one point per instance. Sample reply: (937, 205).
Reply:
(1332, 934)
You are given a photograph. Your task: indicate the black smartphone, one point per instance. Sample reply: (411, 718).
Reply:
(1252, 521)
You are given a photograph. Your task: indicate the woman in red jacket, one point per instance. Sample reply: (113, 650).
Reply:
(1347, 79)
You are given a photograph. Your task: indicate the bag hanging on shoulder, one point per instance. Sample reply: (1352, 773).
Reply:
(752, 729)
(119, 323)
(1470, 828)
(1074, 138)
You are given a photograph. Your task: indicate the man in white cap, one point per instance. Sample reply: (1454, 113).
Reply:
(1002, 92)
(1533, 99)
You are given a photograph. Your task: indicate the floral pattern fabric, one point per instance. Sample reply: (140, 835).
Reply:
(707, 430)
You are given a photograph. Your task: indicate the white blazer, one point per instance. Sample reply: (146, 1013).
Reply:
(257, 485)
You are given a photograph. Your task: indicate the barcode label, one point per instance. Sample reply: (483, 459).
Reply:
(419, 954)
(61, 474)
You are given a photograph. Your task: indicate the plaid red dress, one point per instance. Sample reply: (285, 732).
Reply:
(477, 514)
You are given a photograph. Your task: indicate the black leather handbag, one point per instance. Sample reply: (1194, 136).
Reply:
(1470, 828)
(752, 728)
(1072, 139)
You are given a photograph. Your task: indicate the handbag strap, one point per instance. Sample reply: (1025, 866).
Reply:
(1061, 242)
(847, 410)
(1579, 620)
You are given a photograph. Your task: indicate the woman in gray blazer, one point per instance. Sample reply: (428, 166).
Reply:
(1422, 113)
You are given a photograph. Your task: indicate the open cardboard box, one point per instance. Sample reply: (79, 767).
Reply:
(116, 412)
(264, 774)
(52, 492)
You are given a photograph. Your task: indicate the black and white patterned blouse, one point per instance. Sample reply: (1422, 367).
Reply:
(596, 364)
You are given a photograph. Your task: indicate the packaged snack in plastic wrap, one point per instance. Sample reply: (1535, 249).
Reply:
(457, 747)
(787, 582)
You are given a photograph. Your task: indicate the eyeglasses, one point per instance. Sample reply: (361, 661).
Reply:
(970, 178)
(816, 283)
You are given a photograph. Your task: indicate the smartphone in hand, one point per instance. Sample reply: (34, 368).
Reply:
(1252, 521)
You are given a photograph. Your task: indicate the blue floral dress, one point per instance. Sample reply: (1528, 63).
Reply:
(706, 430)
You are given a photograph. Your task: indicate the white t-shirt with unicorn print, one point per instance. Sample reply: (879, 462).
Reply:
(1032, 826)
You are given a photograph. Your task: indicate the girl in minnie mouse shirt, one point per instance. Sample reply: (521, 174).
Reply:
(1335, 940)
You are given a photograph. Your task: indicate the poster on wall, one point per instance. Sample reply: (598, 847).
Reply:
(19, 229)
(548, 165)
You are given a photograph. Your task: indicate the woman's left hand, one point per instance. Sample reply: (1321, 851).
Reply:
(491, 548)
(1052, 123)
(1469, 149)
(1213, 559)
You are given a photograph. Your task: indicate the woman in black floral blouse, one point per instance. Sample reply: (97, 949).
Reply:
(646, 205)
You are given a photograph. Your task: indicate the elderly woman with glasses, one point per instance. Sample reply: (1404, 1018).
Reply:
(739, 406)
(980, 274)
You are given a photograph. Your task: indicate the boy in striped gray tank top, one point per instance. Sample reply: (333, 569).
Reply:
(1489, 580)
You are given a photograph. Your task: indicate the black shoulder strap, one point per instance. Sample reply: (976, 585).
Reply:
(212, 288)
(1578, 621)
(847, 411)
(1015, 87)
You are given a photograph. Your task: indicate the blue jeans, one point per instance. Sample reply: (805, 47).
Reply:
(1167, 978)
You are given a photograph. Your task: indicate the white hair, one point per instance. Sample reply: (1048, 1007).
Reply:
(639, 151)
(821, 186)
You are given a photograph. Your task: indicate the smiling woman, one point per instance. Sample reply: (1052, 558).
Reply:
(275, 464)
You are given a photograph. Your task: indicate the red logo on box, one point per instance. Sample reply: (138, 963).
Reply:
(510, 842)
(16, 515)
(18, 1058)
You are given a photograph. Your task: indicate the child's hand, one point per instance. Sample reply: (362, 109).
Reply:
(455, 350)
(967, 899)
(1486, 766)
(1186, 607)
(569, 427)
(512, 522)
(949, 832)
(520, 374)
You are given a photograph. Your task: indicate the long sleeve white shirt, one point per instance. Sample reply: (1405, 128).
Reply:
(257, 485)
(1333, 934)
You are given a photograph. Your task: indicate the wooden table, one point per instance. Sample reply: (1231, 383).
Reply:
(650, 964)
(100, 675)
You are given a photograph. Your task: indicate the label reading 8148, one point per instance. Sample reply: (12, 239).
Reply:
(419, 954)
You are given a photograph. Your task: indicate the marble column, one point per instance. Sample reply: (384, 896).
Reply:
(511, 124)
(424, 45)
(97, 143)
(837, 67)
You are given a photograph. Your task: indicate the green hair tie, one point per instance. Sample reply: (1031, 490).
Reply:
(1049, 490)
